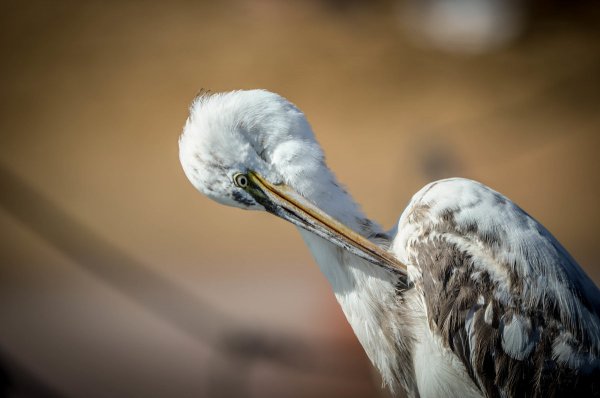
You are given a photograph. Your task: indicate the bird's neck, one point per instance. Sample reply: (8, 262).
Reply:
(343, 269)
(366, 292)
(322, 188)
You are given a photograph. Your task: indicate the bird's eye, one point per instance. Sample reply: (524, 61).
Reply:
(240, 180)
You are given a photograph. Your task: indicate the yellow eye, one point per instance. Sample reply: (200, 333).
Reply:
(240, 180)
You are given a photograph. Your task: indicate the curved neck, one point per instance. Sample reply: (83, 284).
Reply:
(366, 292)
(339, 266)
(368, 297)
(324, 191)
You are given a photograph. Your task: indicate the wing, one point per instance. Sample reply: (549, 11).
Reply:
(501, 292)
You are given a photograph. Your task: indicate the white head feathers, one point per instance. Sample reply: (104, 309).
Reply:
(255, 130)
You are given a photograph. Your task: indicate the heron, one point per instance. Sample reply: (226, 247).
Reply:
(468, 296)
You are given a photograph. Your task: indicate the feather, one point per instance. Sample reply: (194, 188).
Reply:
(501, 293)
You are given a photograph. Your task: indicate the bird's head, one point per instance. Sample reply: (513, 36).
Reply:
(256, 150)
(231, 138)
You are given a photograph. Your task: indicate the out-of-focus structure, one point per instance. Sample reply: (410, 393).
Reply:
(464, 26)
(108, 286)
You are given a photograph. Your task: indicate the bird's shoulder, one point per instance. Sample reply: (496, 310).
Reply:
(500, 290)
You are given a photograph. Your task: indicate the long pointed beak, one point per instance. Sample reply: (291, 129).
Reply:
(284, 202)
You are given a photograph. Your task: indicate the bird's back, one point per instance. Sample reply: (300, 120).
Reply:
(501, 294)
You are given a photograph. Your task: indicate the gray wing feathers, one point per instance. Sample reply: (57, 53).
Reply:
(502, 293)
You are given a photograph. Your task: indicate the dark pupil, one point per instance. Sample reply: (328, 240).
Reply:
(242, 181)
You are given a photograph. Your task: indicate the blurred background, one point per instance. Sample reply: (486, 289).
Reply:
(117, 279)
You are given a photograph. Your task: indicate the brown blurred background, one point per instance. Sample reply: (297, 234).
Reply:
(117, 279)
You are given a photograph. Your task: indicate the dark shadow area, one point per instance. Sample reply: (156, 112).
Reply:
(18, 382)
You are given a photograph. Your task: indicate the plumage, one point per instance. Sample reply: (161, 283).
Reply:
(501, 292)
(468, 296)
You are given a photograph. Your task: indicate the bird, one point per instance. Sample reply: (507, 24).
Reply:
(467, 296)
